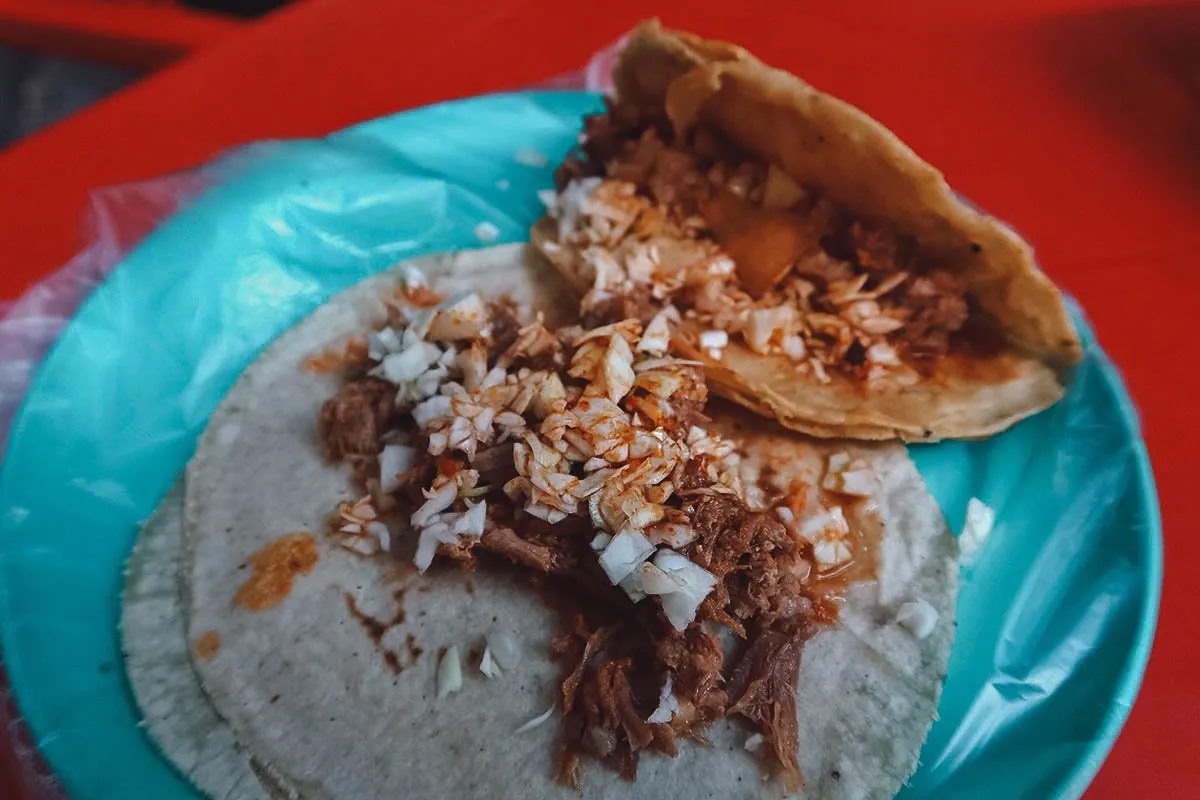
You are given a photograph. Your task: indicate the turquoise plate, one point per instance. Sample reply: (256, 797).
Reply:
(1055, 622)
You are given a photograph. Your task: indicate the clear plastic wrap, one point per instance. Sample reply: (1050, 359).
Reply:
(1055, 617)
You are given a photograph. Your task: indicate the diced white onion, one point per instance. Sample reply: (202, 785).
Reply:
(918, 618)
(486, 232)
(504, 649)
(381, 534)
(436, 502)
(540, 719)
(449, 674)
(393, 460)
(409, 363)
(627, 550)
(981, 518)
(656, 339)
(714, 339)
(461, 317)
(694, 582)
(471, 522)
(667, 704)
(488, 665)
(429, 410)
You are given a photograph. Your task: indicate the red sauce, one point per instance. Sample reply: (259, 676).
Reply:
(376, 629)
(275, 569)
(207, 646)
(336, 359)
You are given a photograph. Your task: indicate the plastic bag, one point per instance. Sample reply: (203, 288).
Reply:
(1055, 619)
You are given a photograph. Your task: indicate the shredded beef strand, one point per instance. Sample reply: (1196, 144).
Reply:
(763, 689)
(504, 323)
(352, 422)
(593, 644)
(504, 541)
(495, 464)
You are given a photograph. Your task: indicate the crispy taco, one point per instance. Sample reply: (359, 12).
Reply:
(825, 275)
(437, 544)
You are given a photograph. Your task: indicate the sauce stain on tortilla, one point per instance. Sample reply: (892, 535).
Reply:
(333, 360)
(276, 568)
(208, 645)
(376, 629)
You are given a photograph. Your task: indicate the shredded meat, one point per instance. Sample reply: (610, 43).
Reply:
(694, 657)
(606, 136)
(566, 647)
(938, 309)
(495, 464)
(352, 422)
(763, 688)
(505, 324)
(687, 405)
(636, 303)
(505, 542)
(769, 583)
(693, 475)
(717, 520)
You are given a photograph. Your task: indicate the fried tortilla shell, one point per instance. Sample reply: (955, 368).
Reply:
(865, 171)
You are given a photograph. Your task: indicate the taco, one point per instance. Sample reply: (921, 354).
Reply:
(570, 572)
(825, 275)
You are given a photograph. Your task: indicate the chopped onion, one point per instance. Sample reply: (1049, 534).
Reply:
(618, 368)
(427, 544)
(813, 526)
(848, 477)
(488, 665)
(436, 502)
(546, 513)
(461, 317)
(918, 618)
(793, 347)
(486, 232)
(382, 342)
(655, 581)
(673, 534)
(627, 550)
(714, 339)
(381, 534)
(829, 533)
(694, 584)
(780, 190)
(600, 541)
(540, 719)
(504, 649)
(471, 522)
(656, 339)
(632, 586)
(981, 518)
(667, 704)
(449, 674)
(571, 201)
(434, 408)
(409, 363)
(393, 460)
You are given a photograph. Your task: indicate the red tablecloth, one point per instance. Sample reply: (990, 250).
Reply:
(1077, 120)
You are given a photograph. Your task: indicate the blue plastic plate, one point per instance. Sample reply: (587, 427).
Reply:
(1055, 622)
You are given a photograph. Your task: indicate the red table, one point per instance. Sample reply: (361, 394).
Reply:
(1077, 120)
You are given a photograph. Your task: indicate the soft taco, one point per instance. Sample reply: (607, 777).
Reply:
(439, 545)
(825, 275)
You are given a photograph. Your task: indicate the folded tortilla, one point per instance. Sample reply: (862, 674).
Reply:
(829, 146)
(315, 701)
